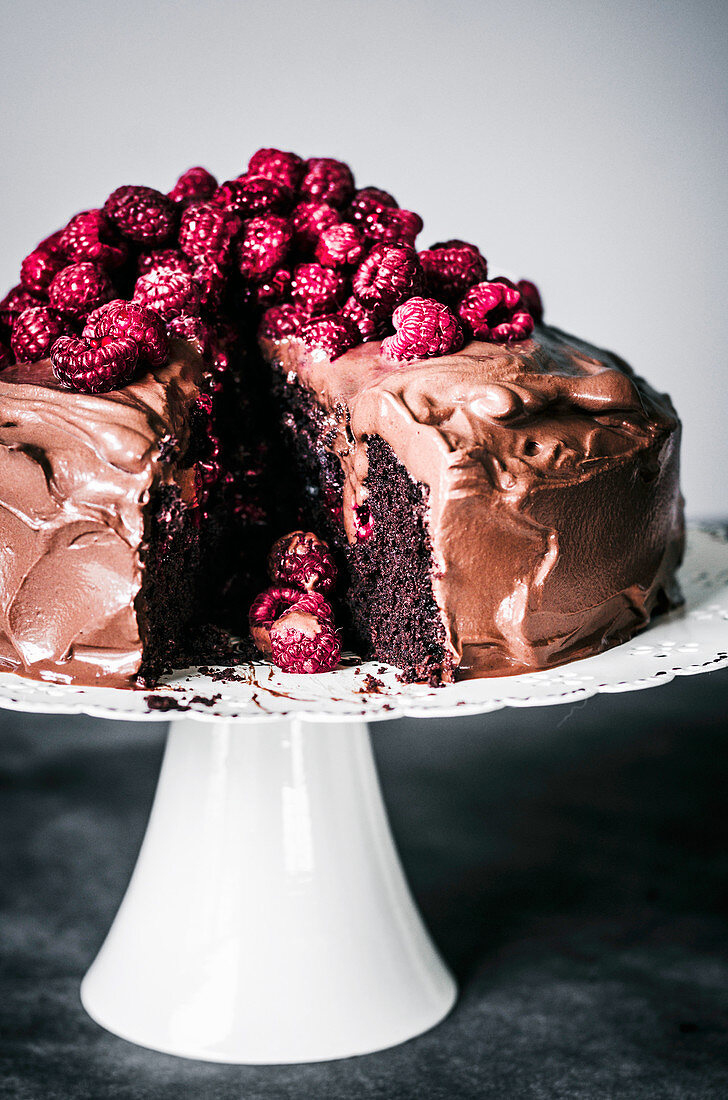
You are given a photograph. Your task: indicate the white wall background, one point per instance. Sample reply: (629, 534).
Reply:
(583, 144)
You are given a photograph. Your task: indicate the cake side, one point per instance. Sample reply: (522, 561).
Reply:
(554, 510)
(77, 473)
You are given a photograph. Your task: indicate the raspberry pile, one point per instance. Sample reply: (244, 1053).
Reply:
(292, 622)
(291, 243)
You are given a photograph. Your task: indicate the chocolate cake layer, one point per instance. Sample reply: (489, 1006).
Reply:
(551, 473)
(87, 484)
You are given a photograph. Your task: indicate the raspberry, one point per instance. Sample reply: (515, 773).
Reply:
(531, 298)
(309, 220)
(372, 323)
(302, 560)
(194, 329)
(284, 168)
(392, 224)
(340, 246)
(451, 268)
(264, 611)
(389, 274)
(318, 289)
(142, 214)
(194, 185)
(40, 267)
(34, 331)
(315, 604)
(132, 320)
(207, 232)
(273, 288)
(6, 357)
(494, 311)
(263, 245)
(168, 292)
(333, 335)
(424, 328)
(14, 302)
(79, 289)
(171, 258)
(367, 202)
(89, 238)
(281, 321)
(211, 280)
(92, 366)
(253, 196)
(327, 180)
(302, 643)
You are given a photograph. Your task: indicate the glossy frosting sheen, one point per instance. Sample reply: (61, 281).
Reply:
(555, 513)
(76, 471)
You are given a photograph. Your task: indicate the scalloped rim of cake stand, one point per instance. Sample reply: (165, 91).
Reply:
(687, 642)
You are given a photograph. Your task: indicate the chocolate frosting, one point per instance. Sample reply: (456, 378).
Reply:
(76, 471)
(555, 513)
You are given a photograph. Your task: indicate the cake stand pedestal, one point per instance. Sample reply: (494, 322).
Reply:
(268, 918)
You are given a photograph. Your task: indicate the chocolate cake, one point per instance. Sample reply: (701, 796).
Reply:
(185, 376)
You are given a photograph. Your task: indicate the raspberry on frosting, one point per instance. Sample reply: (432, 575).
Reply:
(340, 246)
(207, 232)
(327, 180)
(373, 323)
(274, 164)
(168, 292)
(253, 196)
(34, 331)
(90, 237)
(302, 643)
(92, 366)
(332, 335)
(318, 289)
(281, 321)
(451, 268)
(423, 328)
(494, 311)
(302, 560)
(309, 220)
(194, 185)
(263, 245)
(79, 289)
(531, 298)
(193, 329)
(389, 274)
(142, 214)
(132, 320)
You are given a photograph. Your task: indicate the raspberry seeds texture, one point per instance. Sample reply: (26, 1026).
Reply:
(327, 180)
(302, 643)
(135, 321)
(79, 289)
(207, 232)
(34, 331)
(284, 168)
(318, 289)
(494, 311)
(142, 214)
(451, 268)
(168, 292)
(388, 275)
(194, 185)
(302, 560)
(423, 328)
(263, 245)
(331, 336)
(92, 366)
(91, 237)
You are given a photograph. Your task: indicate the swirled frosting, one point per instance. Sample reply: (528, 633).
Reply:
(76, 473)
(554, 508)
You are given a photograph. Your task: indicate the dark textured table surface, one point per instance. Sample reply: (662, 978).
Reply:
(571, 862)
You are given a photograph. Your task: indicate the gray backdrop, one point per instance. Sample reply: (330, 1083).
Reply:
(580, 143)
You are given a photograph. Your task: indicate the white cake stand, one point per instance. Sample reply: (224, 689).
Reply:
(268, 919)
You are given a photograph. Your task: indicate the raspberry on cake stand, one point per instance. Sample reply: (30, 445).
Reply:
(268, 919)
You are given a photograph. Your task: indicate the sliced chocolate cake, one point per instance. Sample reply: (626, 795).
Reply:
(184, 377)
